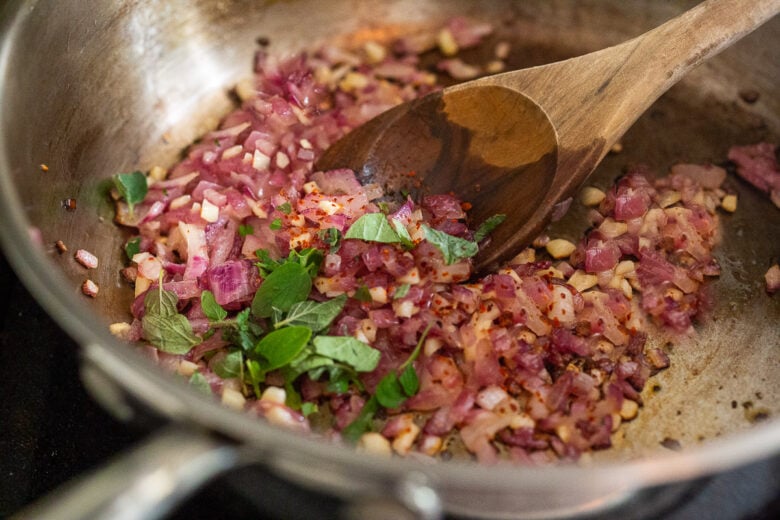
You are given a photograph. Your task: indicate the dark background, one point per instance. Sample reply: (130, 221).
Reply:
(51, 430)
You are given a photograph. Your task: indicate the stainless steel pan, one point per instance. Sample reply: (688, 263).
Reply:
(91, 89)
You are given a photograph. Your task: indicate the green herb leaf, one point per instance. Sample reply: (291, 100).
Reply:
(373, 227)
(275, 224)
(363, 422)
(199, 382)
(453, 248)
(292, 397)
(332, 237)
(362, 294)
(339, 380)
(245, 229)
(171, 334)
(409, 381)
(133, 247)
(401, 291)
(403, 233)
(488, 226)
(345, 349)
(229, 366)
(389, 392)
(317, 316)
(309, 258)
(211, 308)
(308, 408)
(306, 361)
(255, 375)
(281, 346)
(132, 187)
(160, 302)
(245, 333)
(284, 208)
(285, 286)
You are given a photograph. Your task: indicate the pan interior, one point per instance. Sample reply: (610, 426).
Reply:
(132, 89)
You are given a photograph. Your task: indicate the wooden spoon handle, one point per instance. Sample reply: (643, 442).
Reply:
(593, 99)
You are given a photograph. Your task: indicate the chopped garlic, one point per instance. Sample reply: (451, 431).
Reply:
(260, 161)
(590, 196)
(729, 203)
(187, 368)
(560, 248)
(378, 294)
(209, 212)
(120, 329)
(301, 241)
(158, 173)
(282, 161)
(141, 284)
(412, 277)
(446, 41)
(329, 207)
(233, 399)
(405, 308)
(274, 394)
(180, 202)
(373, 442)
(311, 187)
(245, 88)
(353, 81)
(629, 409)
(233, 151)
(375, 52)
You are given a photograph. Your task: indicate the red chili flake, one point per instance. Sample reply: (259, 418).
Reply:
(412, 173)
(61, 247)
(44, 167)
(466, 206)
(69, 204)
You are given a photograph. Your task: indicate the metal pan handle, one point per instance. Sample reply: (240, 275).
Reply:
(142, 484)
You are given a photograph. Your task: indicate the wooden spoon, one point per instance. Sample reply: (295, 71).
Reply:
(519, 142)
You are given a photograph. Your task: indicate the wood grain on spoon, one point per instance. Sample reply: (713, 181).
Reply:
(520, 142)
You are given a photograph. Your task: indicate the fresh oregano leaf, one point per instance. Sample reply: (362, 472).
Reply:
(308, 408)
(133, 247)
(255, 375)
(452, 248)
(284, 208)
(245, 229)
(362, 294)
(389, 392)
(315, 315)
(285, 286)
(373, 227)
(229, 366)
(211, 308)
(409, 381)
(199, 382)
(488, 226)
(132, 187)
(160, 302)
(331, 237)
(403, 233)
(401, 291)
(275, 224)
(171, 334)
(280, 347)
(348, 350)
(363, 422)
